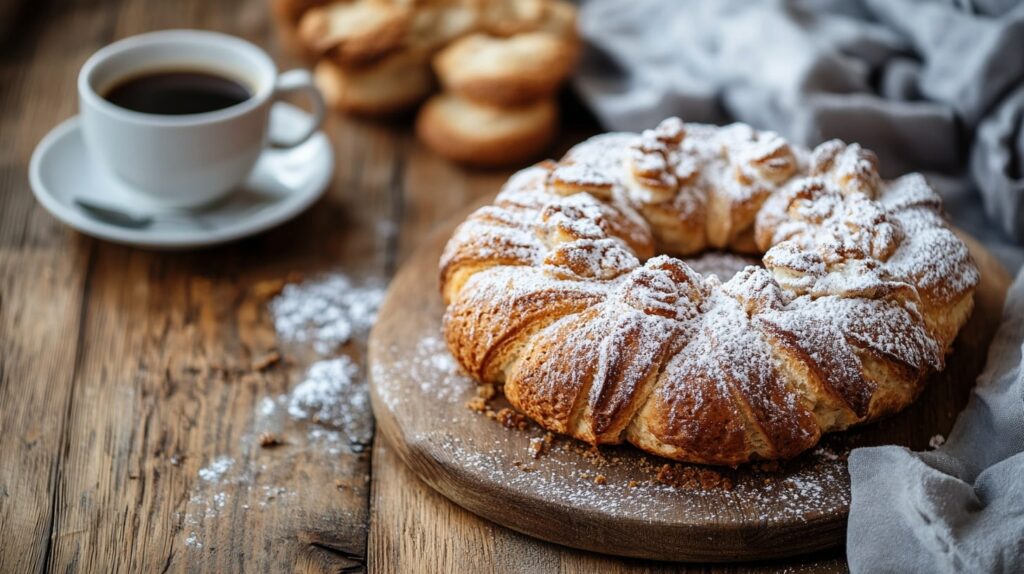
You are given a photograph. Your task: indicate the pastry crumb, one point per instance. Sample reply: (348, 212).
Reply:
(485, 392)
(600, 479)
(477, 404)
(693, 478)
(536, 447)
(509, 418)
(269, 439)
(541, 445)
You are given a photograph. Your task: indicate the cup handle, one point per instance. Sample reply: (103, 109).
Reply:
(292, 82)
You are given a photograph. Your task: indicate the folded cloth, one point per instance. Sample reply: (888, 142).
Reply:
(959, 508)
(928, 85)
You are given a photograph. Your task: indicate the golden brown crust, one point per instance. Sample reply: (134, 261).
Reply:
(354, 33)
(486, 136)
(552, 291)
(505, 71)
(508, 17)
(393, 85)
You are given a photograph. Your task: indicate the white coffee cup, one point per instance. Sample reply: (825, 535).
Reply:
(188, 160)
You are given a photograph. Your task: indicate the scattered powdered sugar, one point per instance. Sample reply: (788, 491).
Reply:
(326, 390)
(216, 469)
(628, 491)
(431, 364)
(326, 312)
(325, 414)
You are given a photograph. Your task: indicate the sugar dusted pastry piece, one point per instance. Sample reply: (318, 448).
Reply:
(484, 135)
(553, 292)
(505, 71)
(394, 84)
(353, 33)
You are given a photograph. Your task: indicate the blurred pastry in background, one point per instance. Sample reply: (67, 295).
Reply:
(355, 33)
(505, 71)
(499, 63)
(391, 85)
(485, 135)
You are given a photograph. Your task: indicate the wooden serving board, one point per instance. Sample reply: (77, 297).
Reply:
(613, 502)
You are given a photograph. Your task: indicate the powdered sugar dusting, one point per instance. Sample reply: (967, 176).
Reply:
(216, 469)
(325, 312)
(854, 262)
(323, 414)
(811, 488)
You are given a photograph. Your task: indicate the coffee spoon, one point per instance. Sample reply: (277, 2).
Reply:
(121, 217)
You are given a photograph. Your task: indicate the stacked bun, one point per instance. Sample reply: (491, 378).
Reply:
(499, 64)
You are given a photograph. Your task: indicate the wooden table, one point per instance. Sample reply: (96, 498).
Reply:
(124, 372)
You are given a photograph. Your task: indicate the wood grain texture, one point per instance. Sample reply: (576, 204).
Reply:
(123, 372)
(420, 399)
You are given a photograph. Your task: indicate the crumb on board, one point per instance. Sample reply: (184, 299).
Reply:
(509, 418)
(692, 477)
(540, 445)
(477, 404)
(600, 479)
(486, 391)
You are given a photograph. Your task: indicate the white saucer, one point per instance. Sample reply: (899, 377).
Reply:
(282, 185)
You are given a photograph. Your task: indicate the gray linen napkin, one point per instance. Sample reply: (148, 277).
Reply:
(959, 508)
(929, 85)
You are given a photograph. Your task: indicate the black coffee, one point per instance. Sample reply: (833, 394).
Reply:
(177, 92)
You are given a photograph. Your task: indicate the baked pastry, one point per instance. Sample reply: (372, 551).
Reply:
(435, 25)
(485, 135)
(501, 60)
(354, 33)
(392, 85)
(555, 292)
(505, 71)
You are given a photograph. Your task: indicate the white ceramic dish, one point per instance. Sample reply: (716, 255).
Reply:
(282, 185)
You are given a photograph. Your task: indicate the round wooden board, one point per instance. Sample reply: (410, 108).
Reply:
(419, 398)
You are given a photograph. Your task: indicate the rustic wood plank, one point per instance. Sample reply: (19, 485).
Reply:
(165, 384)
(41, 290)
(413, 528)
(43, 276)
(170, 340)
